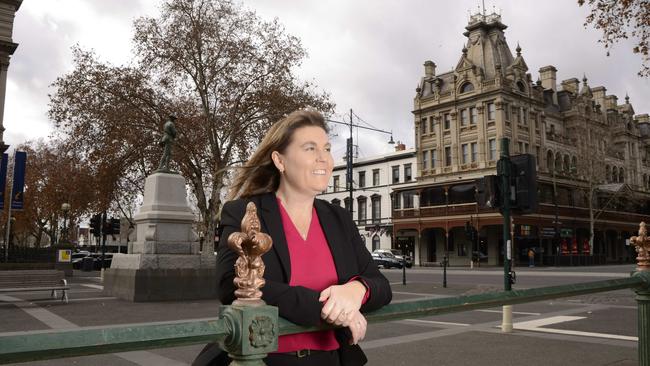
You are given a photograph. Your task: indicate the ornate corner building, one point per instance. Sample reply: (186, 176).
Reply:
(592, 155)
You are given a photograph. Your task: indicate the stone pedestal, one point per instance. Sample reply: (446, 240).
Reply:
(164, 262)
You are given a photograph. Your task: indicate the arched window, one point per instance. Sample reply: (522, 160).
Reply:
(614, 177)
(467, 87)
(621, 175)
(375, 242)
(574, 165)
(549, 161)
(558, 162)
(336, 202)
(521, 86)
(567, 166)
(608, 174)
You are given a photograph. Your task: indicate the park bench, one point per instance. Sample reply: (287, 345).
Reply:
(34, 280)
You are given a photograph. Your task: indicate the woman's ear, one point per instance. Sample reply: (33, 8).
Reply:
(277, 161)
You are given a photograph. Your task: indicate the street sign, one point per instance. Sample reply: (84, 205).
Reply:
(64, 255)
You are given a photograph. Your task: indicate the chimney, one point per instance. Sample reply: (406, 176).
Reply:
(599, 96)
(547, 74)
(571, 85)
(429, 69)
(400, 146)
(611, 102)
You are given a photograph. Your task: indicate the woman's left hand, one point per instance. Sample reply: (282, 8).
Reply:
(341, 301)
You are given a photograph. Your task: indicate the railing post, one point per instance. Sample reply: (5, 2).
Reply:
(254, 333)
(254, 324)
(642, 246)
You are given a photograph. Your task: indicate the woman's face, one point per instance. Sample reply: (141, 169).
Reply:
(307, 161)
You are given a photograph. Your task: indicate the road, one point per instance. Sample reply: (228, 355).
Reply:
(597, 329)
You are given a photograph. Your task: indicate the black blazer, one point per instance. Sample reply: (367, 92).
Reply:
(299, 304)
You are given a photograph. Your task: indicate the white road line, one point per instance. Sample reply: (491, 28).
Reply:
(435, 322)
(514, 312)
(420, 294)
(99, 287)
(46, 317)
(536, 326)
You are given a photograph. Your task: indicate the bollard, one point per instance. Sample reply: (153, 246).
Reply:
(642, 245)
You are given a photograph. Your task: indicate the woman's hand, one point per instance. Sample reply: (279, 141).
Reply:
(341, 302)
(358, 325)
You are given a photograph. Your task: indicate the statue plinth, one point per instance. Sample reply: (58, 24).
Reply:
(164, 262)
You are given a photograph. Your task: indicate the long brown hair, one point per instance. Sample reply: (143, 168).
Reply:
(259, 174)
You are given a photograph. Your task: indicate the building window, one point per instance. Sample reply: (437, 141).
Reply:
(506, 109)
(493, 149)
(434, 159)
(524, 116)
(375, 242)
(447, 156)
(375, 177)
(520, 146)
(474, 149)
(408, 199)
(361, 210)
(425, 159)
(362, 179)
(407, 173)
(346, 202)
(396, 200)
(473, 116)
(491, 112)
(447, 121)
(515, 114)
(465, 152)
(464, 117)
(431, 125)
(467, 87)
(376, 209)
(396, 174)
(423, 126)
(336, 183)
(336, 202)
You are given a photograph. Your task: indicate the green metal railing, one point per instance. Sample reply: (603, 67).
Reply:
(250, 332)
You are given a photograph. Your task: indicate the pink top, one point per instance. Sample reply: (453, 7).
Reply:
(312, 266)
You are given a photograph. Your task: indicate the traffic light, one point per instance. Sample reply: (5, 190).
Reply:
(115, 226)
(523, 186)
(96, 225)
(524, 179)
(487, 192)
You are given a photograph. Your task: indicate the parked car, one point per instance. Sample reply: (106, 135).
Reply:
(77, 258)
(397, 254)
(479, 256)
(386, 260)
(97, 257)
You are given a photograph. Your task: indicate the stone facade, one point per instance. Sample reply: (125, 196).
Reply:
(586, 145)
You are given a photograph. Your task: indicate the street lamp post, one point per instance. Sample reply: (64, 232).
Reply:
(65, 207)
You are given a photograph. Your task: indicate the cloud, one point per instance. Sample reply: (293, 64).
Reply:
(367, 54)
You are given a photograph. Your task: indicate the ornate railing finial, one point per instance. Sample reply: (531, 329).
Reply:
(642, 246)
(249, 244)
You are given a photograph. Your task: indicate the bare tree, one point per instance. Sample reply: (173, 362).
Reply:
(225, 73)
(622, 19)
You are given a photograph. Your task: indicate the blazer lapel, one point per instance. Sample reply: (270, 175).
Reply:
(333, 234)
(272, 221)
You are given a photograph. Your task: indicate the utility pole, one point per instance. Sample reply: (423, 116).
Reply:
(504, 167)
(349, 153)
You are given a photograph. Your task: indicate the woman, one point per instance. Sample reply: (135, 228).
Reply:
(318, 268)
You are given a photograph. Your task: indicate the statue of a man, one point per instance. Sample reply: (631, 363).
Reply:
(169, 135)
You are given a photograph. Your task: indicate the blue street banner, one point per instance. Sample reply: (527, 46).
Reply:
(18, 196)
(3, 180)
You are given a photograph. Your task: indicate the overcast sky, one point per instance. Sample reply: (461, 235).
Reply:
(367, 54)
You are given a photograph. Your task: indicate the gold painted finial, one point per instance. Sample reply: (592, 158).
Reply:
(250, 244)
